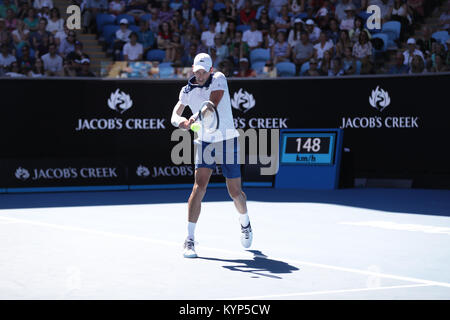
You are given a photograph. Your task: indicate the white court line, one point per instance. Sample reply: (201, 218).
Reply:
(176, 244)
(326, 292)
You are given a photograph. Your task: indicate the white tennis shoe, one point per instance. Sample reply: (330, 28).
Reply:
(246, 235)
(189, 249)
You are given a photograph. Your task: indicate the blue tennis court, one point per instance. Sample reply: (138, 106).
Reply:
(338, 244)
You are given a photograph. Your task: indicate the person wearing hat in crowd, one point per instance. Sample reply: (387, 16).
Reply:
(313, 31)
(122, 37)
(244, 69)
(116, 7)
(339, 12)
(210, 89)
(409, 53)
(349, 21)
(253, 37)
(85, 69)
(303, 51)
(294, 33)
(133, 50)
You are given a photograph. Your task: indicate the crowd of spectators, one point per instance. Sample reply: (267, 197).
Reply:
(329, 35)
(35, 42)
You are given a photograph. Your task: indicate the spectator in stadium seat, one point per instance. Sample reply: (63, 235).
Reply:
(283, 21)
(133, 50)
(5, 57)
(348, 62)
(358, 27)
(336, 68)
(425, 43)
(85, 69)
(244, 69)
(322, 46)
(116, 7)
(447, 59)
(122, 37)
(222, 49)
(188, 58)
(175, 52)
(5, 36)
(200, 22)
(343, 42)
(164, 36)
(339, 11)
(243, 46)
(363, 48)
(230, 34)
(253, 37)
(145, 36)
(264, 22)
(60, 35)
(303, 51)
(399, 67)
(91, 9)
(278, 4)
(411, 51)
(55, 23)
(312, 71)
(5, 6)
(44, 13)
(270, 11)
(280, 51)
(70, 68)
(294, 33)
(23, 9)
(222, 24)
(176, 5)
(296, 7)
(165, 13)
(10, 20)
(313, 30)
(401, 13)
(209, 11)
(78, 53)
(154, 22)
(38, 69)
(325, 64)
(21, 35)
(208, 35)
(53, 63)
(417, 65)
(32, 20)
(333, 31)
(14, 70)
(439, 65)
(67, 45)
(247, 13)
(417, 8)
(348, 22)
(26, 60)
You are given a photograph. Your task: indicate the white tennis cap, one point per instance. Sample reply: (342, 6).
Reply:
(202, 61)
(411, 41)
(123, 21)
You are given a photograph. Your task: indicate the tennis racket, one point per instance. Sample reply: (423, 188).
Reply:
(207, 119)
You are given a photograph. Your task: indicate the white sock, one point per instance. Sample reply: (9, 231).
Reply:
(243, 219)
(191, 230)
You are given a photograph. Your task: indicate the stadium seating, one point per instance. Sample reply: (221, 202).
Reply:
(104, 19)
(259, 67)
(285, 69)
(304, 68)
(392, 29)
(109, 33)
(259, 54)
(243, 28)
(166, 72)
(385, 38)
(156, 55)
(441, 36)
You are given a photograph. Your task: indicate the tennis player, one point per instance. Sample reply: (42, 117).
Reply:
(211, 88)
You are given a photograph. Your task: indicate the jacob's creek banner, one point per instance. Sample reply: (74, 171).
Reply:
(68, 132)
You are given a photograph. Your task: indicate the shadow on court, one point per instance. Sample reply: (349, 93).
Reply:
(418, 201)
(260, 265)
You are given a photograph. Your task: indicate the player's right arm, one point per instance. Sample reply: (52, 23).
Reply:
(177, 120)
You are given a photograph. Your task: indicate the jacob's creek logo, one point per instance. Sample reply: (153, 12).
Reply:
(379, 99)
(66, 173)
(244, 101)
(169, 171)
(120, 102)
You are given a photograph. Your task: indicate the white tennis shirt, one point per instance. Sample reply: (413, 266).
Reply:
(193, 95)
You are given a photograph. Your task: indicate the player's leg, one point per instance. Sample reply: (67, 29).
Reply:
(231, 170)
(202, 176)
